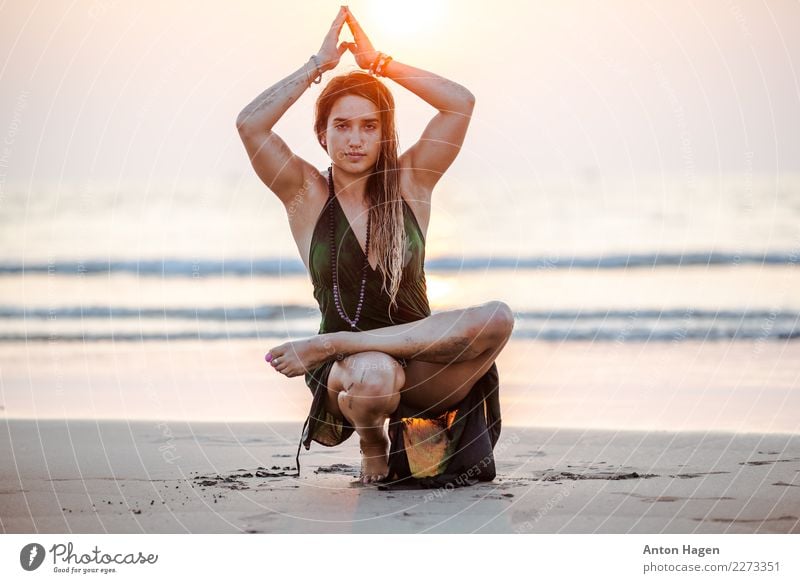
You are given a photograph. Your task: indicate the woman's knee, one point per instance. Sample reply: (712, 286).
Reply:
(374, 382)
(494, 321)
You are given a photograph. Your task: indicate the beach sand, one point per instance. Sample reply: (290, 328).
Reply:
(174, 477)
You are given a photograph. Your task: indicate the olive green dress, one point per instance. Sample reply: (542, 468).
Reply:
(476, 419)
(412, 302)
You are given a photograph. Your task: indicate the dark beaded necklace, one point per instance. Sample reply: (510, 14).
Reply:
(336, 297)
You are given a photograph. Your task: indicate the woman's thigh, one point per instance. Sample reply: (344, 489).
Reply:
(435, 387)
(432, 387)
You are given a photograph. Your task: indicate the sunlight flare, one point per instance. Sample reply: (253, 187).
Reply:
(412, 17)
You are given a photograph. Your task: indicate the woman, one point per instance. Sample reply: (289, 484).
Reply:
(360, 229)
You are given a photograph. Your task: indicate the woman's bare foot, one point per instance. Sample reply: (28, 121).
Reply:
(295, 358)
(374, 461)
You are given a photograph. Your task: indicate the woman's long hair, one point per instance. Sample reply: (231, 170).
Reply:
(388, 238)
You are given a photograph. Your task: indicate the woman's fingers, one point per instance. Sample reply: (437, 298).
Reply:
(338, 23)
(332, 38)
(353, 48)
(355, 28)
(352, 22)
(363, 51)
(341, 16)
(329, 53)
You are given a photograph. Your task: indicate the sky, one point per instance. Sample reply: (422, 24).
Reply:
(140, 93)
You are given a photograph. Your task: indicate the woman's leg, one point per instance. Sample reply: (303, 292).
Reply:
(445, 338)
(365, 389)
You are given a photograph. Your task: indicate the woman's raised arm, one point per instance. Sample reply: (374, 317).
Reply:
(441, 141)
(276, 165)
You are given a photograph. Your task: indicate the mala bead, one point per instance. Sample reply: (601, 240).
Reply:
(331, 230)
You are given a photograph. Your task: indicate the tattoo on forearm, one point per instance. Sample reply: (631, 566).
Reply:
(268, 97)
(450, 349)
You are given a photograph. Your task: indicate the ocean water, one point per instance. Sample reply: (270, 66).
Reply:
(638, 304)
(642, 260)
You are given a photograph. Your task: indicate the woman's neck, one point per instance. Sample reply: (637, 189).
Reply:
(350, 186)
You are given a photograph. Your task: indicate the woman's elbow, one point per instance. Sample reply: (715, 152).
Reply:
(241, 122)
(469, 97)
(468, 101)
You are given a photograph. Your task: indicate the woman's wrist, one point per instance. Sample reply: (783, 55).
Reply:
(379, 64)
(323, 65)
(313, 70)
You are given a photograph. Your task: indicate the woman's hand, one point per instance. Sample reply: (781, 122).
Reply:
(329, 53)
(362, 50)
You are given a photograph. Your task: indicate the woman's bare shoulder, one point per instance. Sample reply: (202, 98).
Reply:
(305, 206)
(304, 210)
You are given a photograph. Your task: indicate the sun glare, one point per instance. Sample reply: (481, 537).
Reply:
(439, 290)
(404, 19)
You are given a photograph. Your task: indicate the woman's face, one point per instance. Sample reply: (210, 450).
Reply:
(353, 134)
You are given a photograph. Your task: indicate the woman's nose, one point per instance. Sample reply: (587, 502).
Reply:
(354, 137)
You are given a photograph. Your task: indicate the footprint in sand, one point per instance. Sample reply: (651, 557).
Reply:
(672, 498)
(745, 520)
(338, 469)
(695, 475)
(766, 462)
(786, 484)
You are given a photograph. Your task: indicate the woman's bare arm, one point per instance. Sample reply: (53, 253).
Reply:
(276, 165)
(441, 141)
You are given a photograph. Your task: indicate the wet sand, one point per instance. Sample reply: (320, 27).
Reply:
(174, 477)
(730, 386)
